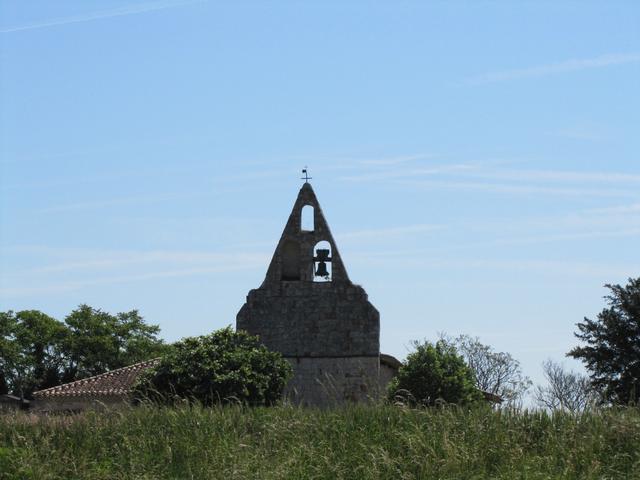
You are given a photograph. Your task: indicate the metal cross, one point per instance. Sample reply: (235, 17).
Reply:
(306, 177)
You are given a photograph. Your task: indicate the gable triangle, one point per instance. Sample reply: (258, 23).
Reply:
(293, 259)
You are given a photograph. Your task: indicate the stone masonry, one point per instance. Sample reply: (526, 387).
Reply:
(326, 329)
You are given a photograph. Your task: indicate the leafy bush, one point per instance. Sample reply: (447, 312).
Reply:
(220, 367)
(433, 373)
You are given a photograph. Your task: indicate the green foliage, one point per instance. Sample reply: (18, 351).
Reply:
(612, 348)
(219, 367)
(436, 372)
(30, 351)
(37, 351)
(359, 442)
(97, 341)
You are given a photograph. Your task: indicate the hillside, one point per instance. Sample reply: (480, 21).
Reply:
(292, 443)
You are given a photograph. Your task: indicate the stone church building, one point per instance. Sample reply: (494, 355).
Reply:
(308, 310)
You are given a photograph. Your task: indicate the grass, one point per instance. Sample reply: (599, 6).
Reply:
(359, 442)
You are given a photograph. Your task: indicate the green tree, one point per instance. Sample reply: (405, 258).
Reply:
(98, 341)
(30, 354)
(12, 364)
(219, 367)
(38, 351)
(612, 350)
(4, 386)
(436, 372)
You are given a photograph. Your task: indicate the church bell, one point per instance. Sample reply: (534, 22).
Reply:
(322, 258)
(321, 271)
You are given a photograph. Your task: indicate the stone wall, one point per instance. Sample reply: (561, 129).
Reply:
(333, 381)
(313, 319)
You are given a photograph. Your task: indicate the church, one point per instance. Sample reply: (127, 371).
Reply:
(308, 310)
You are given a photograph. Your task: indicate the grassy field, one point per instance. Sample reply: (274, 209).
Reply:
(375, 442)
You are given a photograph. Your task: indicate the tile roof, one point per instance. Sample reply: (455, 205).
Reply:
(116, 382)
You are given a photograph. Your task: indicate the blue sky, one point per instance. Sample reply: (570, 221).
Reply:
(477, 161)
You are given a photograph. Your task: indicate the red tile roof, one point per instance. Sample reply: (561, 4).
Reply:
(116, 382)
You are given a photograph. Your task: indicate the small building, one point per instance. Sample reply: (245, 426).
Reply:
(308, 309)
(111, 389)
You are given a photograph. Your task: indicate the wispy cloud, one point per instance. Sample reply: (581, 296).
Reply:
(54, 259)
(535, 239)
(100, 14)
(476, 176)
(480, 234)
(532, 239)
(618, 209)
(142, 199)
(556, 68)
(420, 260)
(56, 287)
(559, 176)
(395, 160)
(593, 223)
(396, 173)
(332, 162)
(491, 187)
(389, 232)
(69, 269)
(589, 134)
(111, 260)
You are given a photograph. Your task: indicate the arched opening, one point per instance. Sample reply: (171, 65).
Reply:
(322, 262)
(290, 260)
(307, 219)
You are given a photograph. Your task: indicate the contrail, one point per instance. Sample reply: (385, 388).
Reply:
(114, 12)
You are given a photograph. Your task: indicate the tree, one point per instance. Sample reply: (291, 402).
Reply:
(436, 372)
(12, 363)
(565, 390)
(612, 351)
(4, 386)
(97, 341)
(38, 351)
(30, 355)
(220, 367)
(497, 373)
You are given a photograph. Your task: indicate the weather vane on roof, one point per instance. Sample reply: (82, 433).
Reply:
(306, 177)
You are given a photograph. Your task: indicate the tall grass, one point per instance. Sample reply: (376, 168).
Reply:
(359, 442)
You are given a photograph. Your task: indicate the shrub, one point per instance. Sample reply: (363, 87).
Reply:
(220, 367)
(433, 373)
